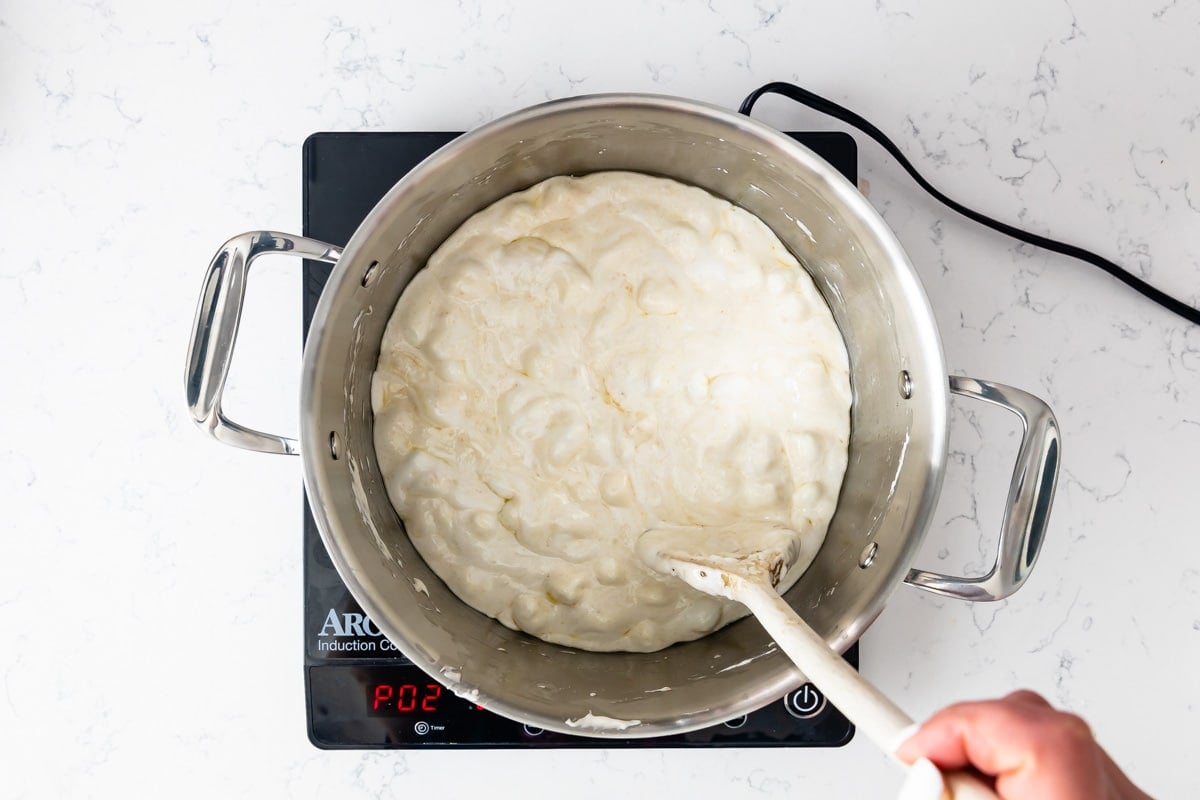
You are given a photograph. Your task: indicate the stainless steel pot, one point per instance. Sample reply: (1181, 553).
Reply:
(897, 445)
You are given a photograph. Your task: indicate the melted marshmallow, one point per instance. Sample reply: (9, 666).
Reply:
(591, 358)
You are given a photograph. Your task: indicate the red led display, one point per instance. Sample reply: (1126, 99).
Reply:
(392, 699)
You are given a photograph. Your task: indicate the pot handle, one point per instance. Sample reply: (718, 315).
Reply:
(215, 331)
(1029, 497)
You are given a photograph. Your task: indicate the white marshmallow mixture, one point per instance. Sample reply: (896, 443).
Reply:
(591, 358)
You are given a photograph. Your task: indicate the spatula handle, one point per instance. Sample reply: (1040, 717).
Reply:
(881, 720)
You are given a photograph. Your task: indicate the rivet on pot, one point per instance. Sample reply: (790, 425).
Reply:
(333, 445)
(369, 275)
(905, 384)
(868, 555)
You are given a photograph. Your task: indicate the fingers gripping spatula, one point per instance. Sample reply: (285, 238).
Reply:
(745, 563)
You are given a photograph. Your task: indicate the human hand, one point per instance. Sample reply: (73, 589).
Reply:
(1033, 751)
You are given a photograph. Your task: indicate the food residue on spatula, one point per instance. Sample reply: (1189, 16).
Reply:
(751, 549)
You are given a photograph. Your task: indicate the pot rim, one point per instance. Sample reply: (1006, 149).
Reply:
(315, 445)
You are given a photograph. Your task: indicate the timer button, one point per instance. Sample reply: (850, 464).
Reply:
(532, 731)
(421, 728)
(805, 703)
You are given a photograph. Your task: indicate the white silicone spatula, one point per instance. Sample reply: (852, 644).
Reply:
(745, 563)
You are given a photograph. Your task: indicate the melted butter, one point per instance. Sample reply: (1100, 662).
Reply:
(591, 358)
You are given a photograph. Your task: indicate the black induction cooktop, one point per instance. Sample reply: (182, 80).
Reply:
(361, 692)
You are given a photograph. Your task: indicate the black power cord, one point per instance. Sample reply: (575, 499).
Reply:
(818, 103)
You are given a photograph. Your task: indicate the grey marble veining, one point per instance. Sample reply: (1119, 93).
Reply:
(150, 588)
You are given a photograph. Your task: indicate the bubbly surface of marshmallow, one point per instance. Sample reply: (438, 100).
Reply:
(591, 358)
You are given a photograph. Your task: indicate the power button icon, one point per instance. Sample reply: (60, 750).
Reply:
(805, 702)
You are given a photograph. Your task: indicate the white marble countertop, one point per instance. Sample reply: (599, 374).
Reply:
(150, 579)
